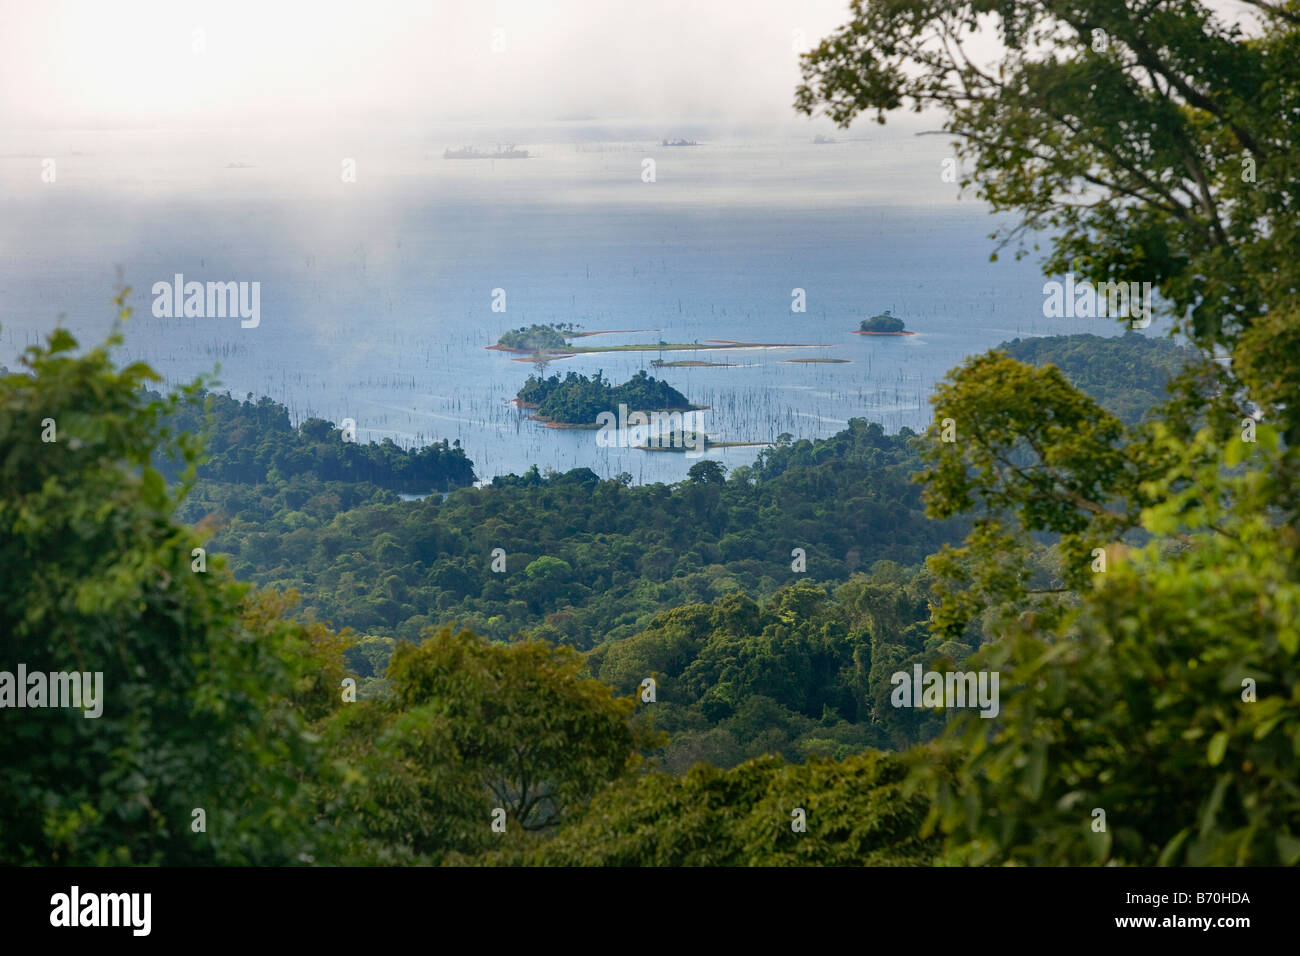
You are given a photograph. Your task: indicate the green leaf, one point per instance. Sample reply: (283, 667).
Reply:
(1170, 852)
(1037, 770)
(1217, 747)
(1211, 811)
(1263, 729)
(1288, 849)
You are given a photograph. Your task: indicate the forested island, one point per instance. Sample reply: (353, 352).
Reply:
(538, 338)
(577, 400)
(886, 323)
(554, 340)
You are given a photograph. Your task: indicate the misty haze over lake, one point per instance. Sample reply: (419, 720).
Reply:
(376, 294)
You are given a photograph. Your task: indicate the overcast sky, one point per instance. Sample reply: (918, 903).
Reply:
(97, 63)
(206, 63)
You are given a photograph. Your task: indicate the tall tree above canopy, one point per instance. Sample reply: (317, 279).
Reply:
(1152, 142)
(1153, 139)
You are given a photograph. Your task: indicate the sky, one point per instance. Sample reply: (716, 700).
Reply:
(91, 63)
(310, 63)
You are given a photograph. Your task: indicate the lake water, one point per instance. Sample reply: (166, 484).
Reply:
(376, 295)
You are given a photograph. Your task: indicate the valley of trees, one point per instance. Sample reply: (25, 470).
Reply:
(759, 670)
(584, 559)
(347, 680)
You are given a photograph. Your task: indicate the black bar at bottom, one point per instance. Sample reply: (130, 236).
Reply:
(332, 905)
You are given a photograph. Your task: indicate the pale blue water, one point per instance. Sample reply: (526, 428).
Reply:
(376, 295)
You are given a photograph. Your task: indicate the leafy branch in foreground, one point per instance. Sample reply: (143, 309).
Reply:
(1153, 141)
(1169, 699)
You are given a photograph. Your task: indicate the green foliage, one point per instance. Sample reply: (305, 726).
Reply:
(858, 812)
(707, 472)
(467, 727)
(1128, 375)
(398, 792)
(254, 443)
(578, 400)
(617, 555)
(1122, 688)
(1134, 703)
(1154, 142)
(200, 700)
(1031, 455)
(804, 674)
(542, 737)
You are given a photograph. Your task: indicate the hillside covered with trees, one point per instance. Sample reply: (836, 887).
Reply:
(254, 443)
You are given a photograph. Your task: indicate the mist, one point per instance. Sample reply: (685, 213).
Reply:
(82, 63)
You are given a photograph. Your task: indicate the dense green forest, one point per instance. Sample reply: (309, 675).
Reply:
(749, 658)
(580, 559)
(1128, 374)
(587, 560)
(704, 672)
(254, 443)
(578, 400)
(693, 586)
(573, 574)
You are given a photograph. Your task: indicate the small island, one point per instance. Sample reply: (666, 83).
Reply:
(545, 342)
(538, 338)
(886, 323)
(660, 363)
(697, 441)
(576, 400)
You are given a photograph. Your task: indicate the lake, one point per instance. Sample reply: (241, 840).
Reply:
(376, 294)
